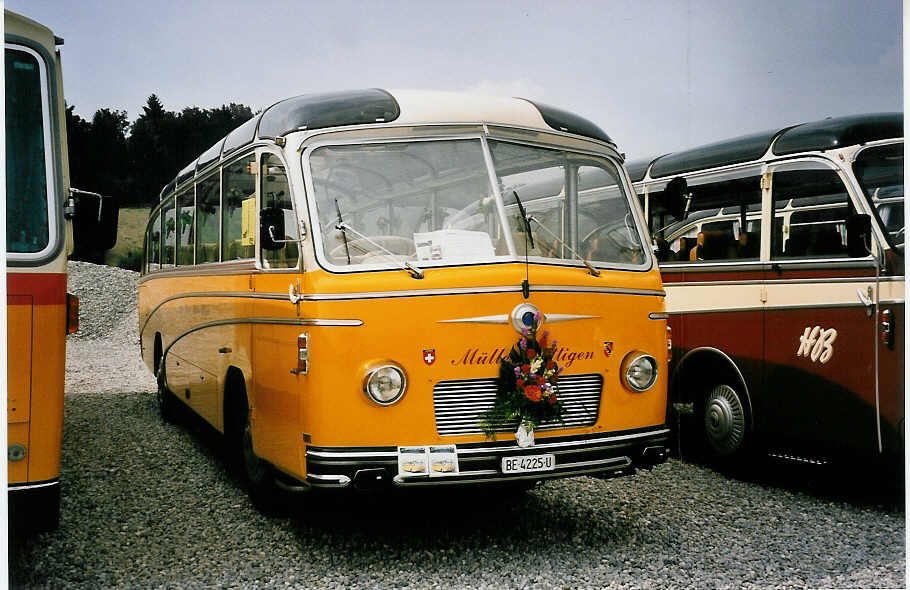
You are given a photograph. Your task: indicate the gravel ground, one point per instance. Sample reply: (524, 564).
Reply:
(152, 505)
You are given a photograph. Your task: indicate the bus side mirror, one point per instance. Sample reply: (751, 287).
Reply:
(859, 235)
(271, 228)
(676, 198)
(95, 219)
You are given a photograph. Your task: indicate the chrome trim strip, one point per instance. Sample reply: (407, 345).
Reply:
(225, 267)
(583, 443)
(760, 307)
(504, 319)
(717, 283)
(561, 444)
(658, 315)
(487, 319)
(339, 481)
(343, 454)
(21, 487)
(261, 321)
(480, 291)
(214, 294)
(567, 317)
(825, 280)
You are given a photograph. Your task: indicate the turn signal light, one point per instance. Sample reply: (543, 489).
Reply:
(669, 340)
(72, 313)
(886, 328)
(303, 354)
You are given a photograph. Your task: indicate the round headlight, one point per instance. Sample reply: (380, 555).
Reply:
(385, 385)
(639, 371)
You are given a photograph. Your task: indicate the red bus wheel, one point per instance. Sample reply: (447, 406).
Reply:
(724, 421)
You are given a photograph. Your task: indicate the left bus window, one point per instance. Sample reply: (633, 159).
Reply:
(208, 214)
(276, 194)
(186, 213)
(239, 201)
(27, 228)
(154, 243)
(169, 234)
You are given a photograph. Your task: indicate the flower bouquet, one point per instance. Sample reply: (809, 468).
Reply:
(526, 393)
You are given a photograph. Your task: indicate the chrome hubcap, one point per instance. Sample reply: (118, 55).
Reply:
(725, 420)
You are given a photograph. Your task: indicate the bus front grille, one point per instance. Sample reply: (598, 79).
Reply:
(459, 404)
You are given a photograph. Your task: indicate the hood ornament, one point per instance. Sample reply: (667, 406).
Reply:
(526, 316)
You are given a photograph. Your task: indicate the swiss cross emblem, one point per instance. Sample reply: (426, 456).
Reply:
(608, 348)
(429, 356)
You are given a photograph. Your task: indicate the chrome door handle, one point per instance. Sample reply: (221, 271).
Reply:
(866, 299)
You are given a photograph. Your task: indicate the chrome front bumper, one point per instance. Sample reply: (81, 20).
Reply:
(609, 455)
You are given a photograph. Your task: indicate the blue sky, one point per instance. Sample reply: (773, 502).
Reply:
(656, 75)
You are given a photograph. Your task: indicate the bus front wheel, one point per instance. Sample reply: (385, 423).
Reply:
(258, 473)
(724, 422)
(167, 402)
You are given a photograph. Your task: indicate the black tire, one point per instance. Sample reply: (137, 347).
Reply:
(168, 405)
(724, 420)
(258, 475)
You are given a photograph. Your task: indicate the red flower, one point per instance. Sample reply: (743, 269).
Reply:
(551, 364)
(541, 380)
(533, 393)
(526, 368)
(531, 353)
(552, 398)
(543, 342)
(520, 383)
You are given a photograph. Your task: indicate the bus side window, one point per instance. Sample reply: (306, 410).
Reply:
(811, 207)
(153, 256)
(738, 193)
(276, 193)
(208, 215)
(239, 187)
(168, 233)
(186, 213)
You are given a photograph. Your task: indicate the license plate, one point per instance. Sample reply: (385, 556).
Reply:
(528, 463)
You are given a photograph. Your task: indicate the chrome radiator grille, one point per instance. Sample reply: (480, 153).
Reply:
(459, 404)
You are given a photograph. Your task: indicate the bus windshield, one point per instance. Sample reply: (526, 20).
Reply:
(432, 203)
(27, 228)
(880, 171)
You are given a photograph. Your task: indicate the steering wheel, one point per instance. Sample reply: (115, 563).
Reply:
(608, 248)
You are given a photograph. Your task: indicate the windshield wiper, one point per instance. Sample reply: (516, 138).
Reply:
(405, 265)
(344, 236)
(591, 269)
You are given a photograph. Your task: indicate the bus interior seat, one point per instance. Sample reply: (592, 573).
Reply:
(718, 244)
(749, 243)
(814, 240)
(684, 247)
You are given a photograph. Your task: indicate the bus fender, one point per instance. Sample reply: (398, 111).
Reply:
(701, 365)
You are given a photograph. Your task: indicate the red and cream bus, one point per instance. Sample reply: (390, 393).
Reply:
(40, 209)
(782, 254)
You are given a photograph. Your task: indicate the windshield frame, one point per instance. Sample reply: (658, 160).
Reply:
(52, 154)
(513, 255)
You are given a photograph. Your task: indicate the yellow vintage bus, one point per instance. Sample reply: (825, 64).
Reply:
(40, 209)
(338, 284)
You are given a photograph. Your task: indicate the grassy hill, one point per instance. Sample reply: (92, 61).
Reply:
(127, 252)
